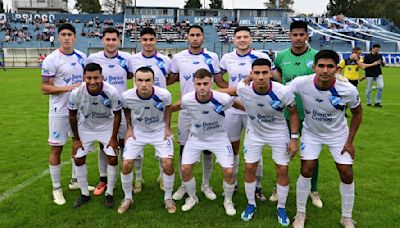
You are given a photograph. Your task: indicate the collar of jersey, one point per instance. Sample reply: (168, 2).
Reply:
(110, 57)
(96, 94)
(154, 55)
(263, 94)
(241, 56)
(202, 51)
(152, 93)
(204, 102)
(316, 86)
(66, 53)
(300, 53)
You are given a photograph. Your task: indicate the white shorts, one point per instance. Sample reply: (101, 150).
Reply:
(311, 148)
(184, 124)
(220, 146)
(253, 147)
(134, 148)
(88, 140)
(59, 130)
(234, 124)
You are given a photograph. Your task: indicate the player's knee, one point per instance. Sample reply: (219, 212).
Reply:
(228, 172)
(251, 168)
(112, 160)
(282, 170)
(346, 174)
(80, 161)
(167, 166)
(127, 166)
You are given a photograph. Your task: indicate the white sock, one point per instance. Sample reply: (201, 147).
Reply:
(126, 181)
(161, 169)
(102, 163)
(190, 187)
(303, 188)
(112, 173)
(81, 176)
(259, 173)
(168, 185)
(282, 192)
(228, 190)
(55, 174)
(347, 193)
(250, 189)
(138, 164)
(73, 174)
(207, 169)
(235, 167)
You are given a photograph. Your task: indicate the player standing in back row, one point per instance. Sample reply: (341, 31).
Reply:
(238, 65)
(117, 69)
(161, 65)
(290, 63)
(184, 65)
(62, 71)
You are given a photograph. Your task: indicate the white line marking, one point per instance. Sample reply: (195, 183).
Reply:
(21, 186)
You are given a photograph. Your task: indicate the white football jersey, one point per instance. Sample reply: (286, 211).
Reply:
(207, 119)
(66, 70)
(265, 111)
(159, 63)
(324, 110)
(186, 64)
(96, 111)
(147, 114)
(115, 70)
(239, 67)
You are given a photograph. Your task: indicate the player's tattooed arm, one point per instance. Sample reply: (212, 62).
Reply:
(129, 131)
(294, 129)
(220, 81)
(73, 120)
(172, 78)
(354, 125)
(176, 107)
(48, 86)
(168, 114)
(238, 105)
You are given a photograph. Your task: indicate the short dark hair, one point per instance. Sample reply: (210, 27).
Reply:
(195, 27)
(110, 30)
(145, 69)
(241, 28)
(326, 54)
(67, 26)
(202, 73)
(261, 62)
(92, 67)
(376, 46)
(147, 30)
(299, 25)
(355, 49)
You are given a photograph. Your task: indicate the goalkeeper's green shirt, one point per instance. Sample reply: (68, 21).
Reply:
(291, 66)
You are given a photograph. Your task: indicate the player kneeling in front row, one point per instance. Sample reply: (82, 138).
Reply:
(324, 100)
(207, 111)
(264, 102)
(100, 115)
(148, 116)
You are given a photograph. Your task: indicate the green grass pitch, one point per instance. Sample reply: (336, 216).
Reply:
(25, 187)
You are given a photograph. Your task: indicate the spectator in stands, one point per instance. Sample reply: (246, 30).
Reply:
(51, 39)
(40, 59)
(374, 73)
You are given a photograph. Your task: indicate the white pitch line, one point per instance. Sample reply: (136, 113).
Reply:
(28, 182)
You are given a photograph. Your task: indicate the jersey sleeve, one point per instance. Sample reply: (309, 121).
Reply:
(342, 64)
(48, 68)
(354, 98)
(288, 97)
(167, 64)
(228, 102)
(175, 65)
(90, 59)
(277, 61)
(293, 85)
(73, 100)
(215, 63)
(167, 98)
(222, 63)
(116, 102)
(131, 65)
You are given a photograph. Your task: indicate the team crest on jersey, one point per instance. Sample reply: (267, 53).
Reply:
(205, 112)
(195, 62)
(233, 78)
(111, 66)
(242, 64)
(139, 119)
(319, 100)
(106, 102)
(310, 64)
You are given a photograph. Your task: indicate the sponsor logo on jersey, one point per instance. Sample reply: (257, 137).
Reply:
(322, 117)
(242, 64)
(150, 120)
(195, 62)
(197, 125)
(139, 119)
(187, 77)
(307, 111)
(233, 78)
(111, 66)
(252, 117)
(266, 118)
(210, 126)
